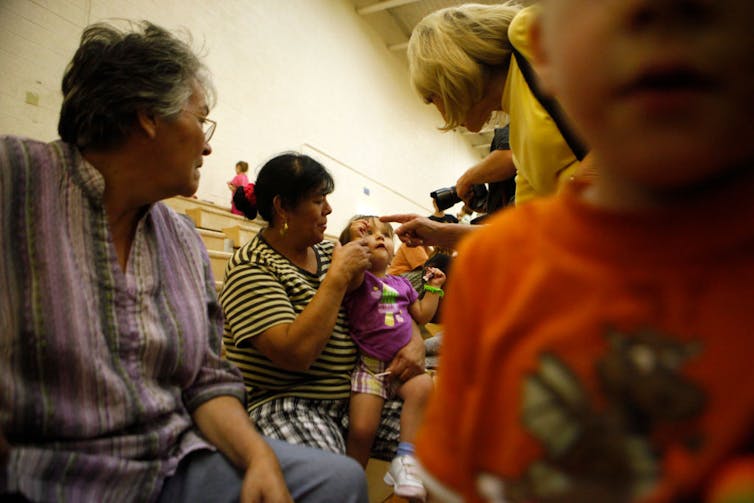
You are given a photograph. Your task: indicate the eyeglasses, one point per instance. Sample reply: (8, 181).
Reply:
(208, 125)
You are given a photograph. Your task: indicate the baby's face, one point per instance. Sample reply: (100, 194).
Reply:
(381, 246)
(660, 89)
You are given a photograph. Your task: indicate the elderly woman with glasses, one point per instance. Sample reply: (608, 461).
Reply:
(112, 383)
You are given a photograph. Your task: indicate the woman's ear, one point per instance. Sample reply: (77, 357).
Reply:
(541, 62)
(277, 204)
(147, 122)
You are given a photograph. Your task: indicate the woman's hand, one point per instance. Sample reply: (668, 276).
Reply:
(409, 361)
(349, 260)
(463, 185)
(416, 230)
(263, 482)
(497, 166)
(224, 423)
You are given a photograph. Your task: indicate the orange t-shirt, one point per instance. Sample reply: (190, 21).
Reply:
(595, 352)
(408, 258)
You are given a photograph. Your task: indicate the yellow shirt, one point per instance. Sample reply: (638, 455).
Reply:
(542, 157)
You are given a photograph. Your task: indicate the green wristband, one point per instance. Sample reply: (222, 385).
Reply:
(434, 289)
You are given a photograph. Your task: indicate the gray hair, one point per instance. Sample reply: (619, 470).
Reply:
(117, 73)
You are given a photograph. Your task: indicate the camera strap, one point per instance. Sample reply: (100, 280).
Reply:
(552, 107)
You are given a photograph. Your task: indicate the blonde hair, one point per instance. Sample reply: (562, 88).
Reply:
(451, 53)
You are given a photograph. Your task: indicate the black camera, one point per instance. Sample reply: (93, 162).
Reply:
(447, 197)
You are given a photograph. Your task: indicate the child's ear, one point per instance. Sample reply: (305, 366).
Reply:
(541, 62)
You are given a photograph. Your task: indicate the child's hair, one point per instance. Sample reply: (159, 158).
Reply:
(451, 51)
(243, 165)
(345, 235)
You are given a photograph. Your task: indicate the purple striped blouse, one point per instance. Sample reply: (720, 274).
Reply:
(99, 369)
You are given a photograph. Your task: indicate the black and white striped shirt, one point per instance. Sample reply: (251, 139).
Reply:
(262, 289)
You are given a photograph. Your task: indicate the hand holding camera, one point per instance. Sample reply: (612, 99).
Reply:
(448, 196)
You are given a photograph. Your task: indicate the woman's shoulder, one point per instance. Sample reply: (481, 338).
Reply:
(7, 140)
(324, 250)
(325, 247)
(180, 221)
(19, 150)
(176, 227)
(258, 254)
(520, 28)
(254, 251)
(252, 259)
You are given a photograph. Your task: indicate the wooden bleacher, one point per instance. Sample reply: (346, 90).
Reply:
(221, 230)
(213, 240)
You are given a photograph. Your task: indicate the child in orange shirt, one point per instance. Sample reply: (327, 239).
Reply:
(598, 345)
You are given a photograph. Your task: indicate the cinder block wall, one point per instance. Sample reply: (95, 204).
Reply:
(306, 75)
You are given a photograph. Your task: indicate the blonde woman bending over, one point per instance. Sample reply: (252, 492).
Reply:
(463, 60)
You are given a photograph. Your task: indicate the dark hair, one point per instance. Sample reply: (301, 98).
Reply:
(115, 74)
(292, 177)
(245, 200)
(243, 165)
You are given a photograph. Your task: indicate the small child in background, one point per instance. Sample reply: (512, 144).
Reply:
(240, 180)
(598, 345)
(380, 310)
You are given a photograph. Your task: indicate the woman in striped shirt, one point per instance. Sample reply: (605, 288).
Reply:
(285, 329)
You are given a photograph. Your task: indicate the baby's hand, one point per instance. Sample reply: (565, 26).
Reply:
(359, 229)
(434, 276)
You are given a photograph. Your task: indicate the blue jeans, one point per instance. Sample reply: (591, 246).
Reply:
(312, 476)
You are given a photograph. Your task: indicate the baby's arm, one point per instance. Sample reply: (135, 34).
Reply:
(423, 310)
(358, 230)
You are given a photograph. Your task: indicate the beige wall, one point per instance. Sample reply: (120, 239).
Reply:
(305, 75)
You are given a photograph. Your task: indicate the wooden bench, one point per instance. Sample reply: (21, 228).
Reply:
(214, 218)
(218, 260)
(213, 240)
(240, 234)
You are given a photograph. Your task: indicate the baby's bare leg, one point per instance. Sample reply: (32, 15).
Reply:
(364, 414)
(415, 393)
